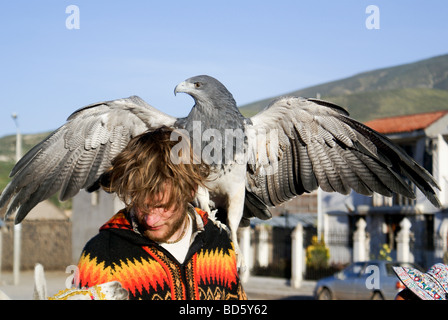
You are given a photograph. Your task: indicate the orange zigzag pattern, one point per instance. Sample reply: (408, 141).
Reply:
(217, 267)
(133, 275)
(118, 221)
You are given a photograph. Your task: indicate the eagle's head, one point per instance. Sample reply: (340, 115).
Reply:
(206, 90)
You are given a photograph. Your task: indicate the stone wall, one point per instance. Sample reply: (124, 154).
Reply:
(47, 242)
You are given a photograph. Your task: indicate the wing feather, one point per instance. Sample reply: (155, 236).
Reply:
(329, 149)
(74, 156)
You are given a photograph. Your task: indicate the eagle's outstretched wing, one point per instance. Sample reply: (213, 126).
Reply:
(319, 145)
(75, 155)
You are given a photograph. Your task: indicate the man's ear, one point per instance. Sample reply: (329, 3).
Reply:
(194, 191)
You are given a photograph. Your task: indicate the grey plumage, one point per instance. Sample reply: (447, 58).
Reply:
(317, 144)
(74, 156)
(326, 148)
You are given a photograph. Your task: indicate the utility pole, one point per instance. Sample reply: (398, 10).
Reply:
(17, 227)
(320, 213)
(1, 247)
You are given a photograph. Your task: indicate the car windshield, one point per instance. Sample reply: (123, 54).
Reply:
(354, 270)
(390, 270)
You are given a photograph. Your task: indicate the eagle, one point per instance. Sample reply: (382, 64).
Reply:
(293, 146)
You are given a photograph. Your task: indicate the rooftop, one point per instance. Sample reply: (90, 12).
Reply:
(405, 123)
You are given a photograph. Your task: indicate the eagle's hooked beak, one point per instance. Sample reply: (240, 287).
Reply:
(185, 87)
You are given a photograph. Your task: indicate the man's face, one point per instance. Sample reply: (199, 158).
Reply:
(160, 224)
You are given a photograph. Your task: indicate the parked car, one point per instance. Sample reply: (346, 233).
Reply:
(373, 279)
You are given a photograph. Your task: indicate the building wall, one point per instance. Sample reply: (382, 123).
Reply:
(90, 211)
(305, 203)
(337, 238)
(47, 242)
(441, 168)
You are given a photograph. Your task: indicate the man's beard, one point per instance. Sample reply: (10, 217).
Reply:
(173, 225)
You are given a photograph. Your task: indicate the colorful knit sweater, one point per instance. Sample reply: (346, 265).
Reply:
(148, 271)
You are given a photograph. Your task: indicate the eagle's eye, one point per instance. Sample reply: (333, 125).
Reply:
(197, 85)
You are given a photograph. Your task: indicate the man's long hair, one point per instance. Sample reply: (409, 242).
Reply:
(148, 164)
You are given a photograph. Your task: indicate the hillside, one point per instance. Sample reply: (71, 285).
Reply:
(404, 89)
(8, 145)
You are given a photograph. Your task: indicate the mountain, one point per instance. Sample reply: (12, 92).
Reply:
(405, 89)
(8, 145)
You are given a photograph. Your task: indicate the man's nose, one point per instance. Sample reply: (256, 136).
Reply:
(152, 218)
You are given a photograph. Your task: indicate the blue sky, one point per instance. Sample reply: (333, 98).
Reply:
(258, 49)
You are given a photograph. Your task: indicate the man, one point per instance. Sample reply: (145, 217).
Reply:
(159, 246)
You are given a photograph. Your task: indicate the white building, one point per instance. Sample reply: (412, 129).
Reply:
(425, 137)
